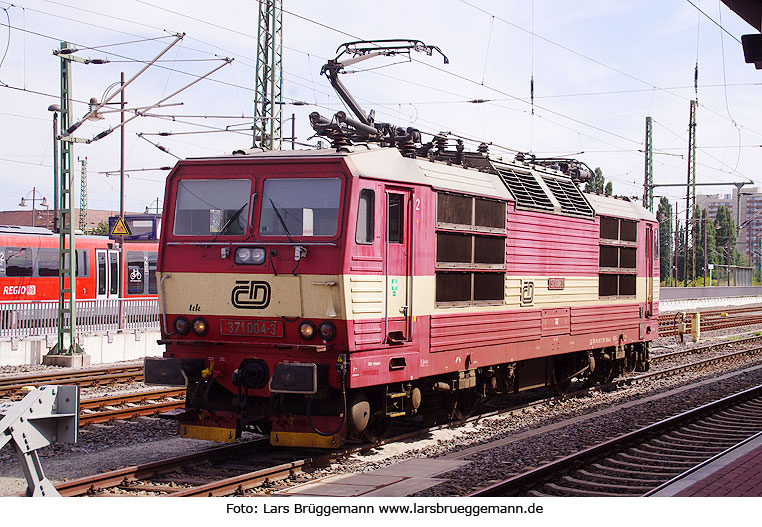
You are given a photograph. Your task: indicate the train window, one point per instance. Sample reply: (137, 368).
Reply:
(101, 257)
(300, 207)
(628, 231)
(18, 261)
(453, 248)
(47, 262)
(365, 217)
(618, 257)
(609, 256)
(489, 287)
(453, 287)
(212, 207)
(136, 273)
(628, 257)
(82, 263)
(113, 259)
(489, 251)
(152, 259)
(394, 218)
(454, 210)
(608, 284)
(489, 213)
(609, 228)
(458, 253)
(627, 284)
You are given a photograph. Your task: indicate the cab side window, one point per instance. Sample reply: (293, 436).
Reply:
(366, 205)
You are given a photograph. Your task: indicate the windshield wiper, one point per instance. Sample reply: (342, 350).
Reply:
(280, 218)
(230, 220)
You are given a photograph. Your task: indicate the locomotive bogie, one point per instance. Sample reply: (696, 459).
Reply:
(361, 287)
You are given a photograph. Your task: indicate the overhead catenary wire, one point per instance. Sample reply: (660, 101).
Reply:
(312, 84)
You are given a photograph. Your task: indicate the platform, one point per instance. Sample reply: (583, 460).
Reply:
(693, 298)
(401, 479)
(737, 472)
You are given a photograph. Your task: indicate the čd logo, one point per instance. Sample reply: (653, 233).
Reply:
(250, 294)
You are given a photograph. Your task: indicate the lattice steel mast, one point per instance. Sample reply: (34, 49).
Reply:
(690, 195)
(269, 78)
(67, 325)
(648, 189)
(83, 196)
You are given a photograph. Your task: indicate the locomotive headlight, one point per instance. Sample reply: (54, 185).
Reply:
(250, 255)
(200, 327)
(307, 330)
(182, 326)
(327, 330)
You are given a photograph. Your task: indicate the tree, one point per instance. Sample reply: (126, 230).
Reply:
(597, 184)
(726, 235)
(664, 213)
(101, 229)
(705, 224)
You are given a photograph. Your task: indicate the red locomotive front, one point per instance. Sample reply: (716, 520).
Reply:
(250, 284)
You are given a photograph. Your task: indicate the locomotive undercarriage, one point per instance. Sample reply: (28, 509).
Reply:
(367, 413)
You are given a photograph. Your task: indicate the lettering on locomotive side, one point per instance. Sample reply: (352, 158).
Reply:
(601, 340)
(250, 294)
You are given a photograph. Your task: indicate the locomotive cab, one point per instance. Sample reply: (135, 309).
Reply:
(252, 307)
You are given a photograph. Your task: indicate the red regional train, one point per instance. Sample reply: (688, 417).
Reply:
(29, 261)
(318, 295)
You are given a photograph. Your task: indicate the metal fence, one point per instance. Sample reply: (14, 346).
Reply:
(30, 318)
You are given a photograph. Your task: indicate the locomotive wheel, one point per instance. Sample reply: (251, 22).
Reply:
(378, 427)
(563, 372)
(467, 402)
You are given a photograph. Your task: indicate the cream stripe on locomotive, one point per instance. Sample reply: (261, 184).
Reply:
(358, 297)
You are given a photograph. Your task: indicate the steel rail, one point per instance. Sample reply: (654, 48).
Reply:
(511, 486)
(148, 403)
(708, 347)
(92, 484)
(10, 384)
(684, 367)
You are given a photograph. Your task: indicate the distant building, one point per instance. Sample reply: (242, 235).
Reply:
(750, 218)
(44, 217)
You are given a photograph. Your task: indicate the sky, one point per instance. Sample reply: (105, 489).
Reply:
(599, 69)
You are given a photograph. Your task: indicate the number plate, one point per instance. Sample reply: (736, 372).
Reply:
(251, 328)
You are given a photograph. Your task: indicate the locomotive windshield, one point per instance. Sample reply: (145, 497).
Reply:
(212, 207)
(300, 207)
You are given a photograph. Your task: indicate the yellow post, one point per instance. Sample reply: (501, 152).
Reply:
(696, 327)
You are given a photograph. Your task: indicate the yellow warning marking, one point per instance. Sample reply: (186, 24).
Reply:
(120, 228)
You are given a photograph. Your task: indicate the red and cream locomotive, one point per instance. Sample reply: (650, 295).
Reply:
(317, 295)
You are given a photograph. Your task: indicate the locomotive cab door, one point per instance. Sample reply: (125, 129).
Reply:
(107, 285)
(650, 244)
(398, 257)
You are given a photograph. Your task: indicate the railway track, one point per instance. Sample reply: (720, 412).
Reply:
(129, 405)
(712, 320)
(639, 462)
(12, 385)
(236, 469)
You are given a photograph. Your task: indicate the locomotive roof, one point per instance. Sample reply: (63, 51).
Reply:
(388, 164)
(620, 208)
